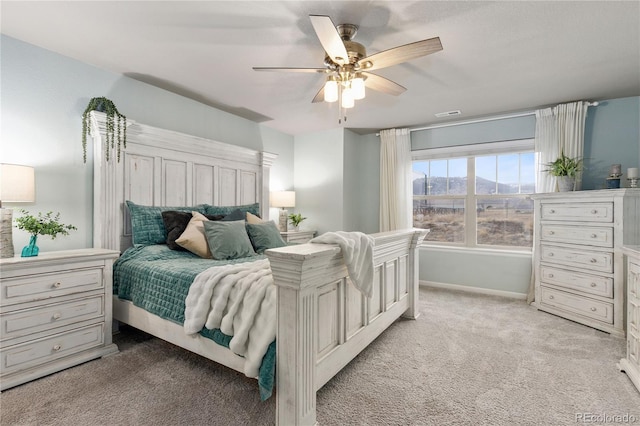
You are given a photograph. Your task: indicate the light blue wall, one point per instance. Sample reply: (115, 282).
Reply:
(318, 177)
(612, 135)
(43, 97)
(361, 182)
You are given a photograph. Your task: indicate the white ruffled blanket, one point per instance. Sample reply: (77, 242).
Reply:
(357, 251)
(240, 300)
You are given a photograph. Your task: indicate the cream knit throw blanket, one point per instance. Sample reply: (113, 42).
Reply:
(357, 251)
(240, 300)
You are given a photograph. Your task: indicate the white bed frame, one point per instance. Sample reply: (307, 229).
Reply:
(323, 321)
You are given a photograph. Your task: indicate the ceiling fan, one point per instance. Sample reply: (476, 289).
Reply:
(347, 65)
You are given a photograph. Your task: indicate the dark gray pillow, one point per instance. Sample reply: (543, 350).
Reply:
(175, 222)
(264, 236)
(228, 239)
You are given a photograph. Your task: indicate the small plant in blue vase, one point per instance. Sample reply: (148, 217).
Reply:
(44, 224)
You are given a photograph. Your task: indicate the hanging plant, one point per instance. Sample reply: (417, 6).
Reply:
(116, 126)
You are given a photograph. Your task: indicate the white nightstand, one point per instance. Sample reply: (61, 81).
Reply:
(297, 236)
(55, 312)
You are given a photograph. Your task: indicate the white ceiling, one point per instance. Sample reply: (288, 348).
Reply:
(497, 57)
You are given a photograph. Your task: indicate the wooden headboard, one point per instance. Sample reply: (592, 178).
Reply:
(165, 168)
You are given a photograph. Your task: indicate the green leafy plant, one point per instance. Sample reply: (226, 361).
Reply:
(46, 224)
(296, 218)
(564, 166)
(116, 133)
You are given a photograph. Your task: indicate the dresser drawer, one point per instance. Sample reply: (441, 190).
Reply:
(40, 351)
(592, 236)
(595, 261)
(47, 317)
(601, 311)
(45, 286)
(580, 212)
(587, 283)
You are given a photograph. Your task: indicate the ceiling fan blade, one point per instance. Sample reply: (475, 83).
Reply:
(280, 69)
(319, 96)
(400, 54)
(381, 84)
(329, 38)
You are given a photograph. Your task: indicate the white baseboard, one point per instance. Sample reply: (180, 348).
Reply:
(469, 289)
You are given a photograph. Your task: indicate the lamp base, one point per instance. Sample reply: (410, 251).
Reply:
(283, 219)
(6, 233)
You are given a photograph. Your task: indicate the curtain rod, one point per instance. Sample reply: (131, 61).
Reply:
(480, 120)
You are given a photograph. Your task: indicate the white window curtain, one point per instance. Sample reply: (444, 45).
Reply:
(558, 130)
(396, 196)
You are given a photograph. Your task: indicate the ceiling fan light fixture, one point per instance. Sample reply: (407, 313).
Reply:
(331, 90)
(347, 98)
(357, 85)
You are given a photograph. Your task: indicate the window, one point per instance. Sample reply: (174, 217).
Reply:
(476, 196)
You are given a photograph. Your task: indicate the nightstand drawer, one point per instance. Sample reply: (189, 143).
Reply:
(47, 317)
(587, 283)
(595, 261)
(40, 351)
(592, 236)
(585, 306)
(580, 212)
(45, 286)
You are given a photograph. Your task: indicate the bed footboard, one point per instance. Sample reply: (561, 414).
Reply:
(324, 321)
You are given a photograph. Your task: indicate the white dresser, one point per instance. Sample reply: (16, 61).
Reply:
(55, 312)
(631, 364)
(578, 260)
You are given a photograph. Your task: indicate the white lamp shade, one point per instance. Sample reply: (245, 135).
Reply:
(347, 98)
(331, 91)
(282, 199)
(17, 184)
(357, 85)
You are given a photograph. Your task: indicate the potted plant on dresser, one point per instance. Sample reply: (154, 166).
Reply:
(565, 169)
(41, 225)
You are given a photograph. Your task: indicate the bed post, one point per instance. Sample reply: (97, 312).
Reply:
(413, 271)
(297, 272)
(263, 192)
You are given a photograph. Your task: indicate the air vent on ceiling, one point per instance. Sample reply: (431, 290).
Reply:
(448, 113)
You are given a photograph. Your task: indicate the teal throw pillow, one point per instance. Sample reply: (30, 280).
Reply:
(264, 236)
(147, 226)
(228, 239)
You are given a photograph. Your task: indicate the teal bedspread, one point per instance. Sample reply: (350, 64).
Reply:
(157, 279)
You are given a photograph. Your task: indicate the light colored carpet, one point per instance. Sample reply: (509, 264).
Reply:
(468, 360)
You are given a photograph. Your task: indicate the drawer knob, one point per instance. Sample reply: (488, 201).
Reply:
(551, 232)
(593, 284)
(593, 235)
(552, 211)
(551, 296)
(593, 309)
(550, 254)
(550, 275)
(593, 260)
(57, 284)
(56, 348)
(594, 211)
(57, 316)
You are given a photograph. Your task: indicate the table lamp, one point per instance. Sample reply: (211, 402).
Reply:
(282, 200)
(17, 185)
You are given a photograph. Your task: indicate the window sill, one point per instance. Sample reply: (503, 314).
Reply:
(477, 251)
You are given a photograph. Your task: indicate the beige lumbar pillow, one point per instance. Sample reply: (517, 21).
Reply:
(253, 219)
(193, 238)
